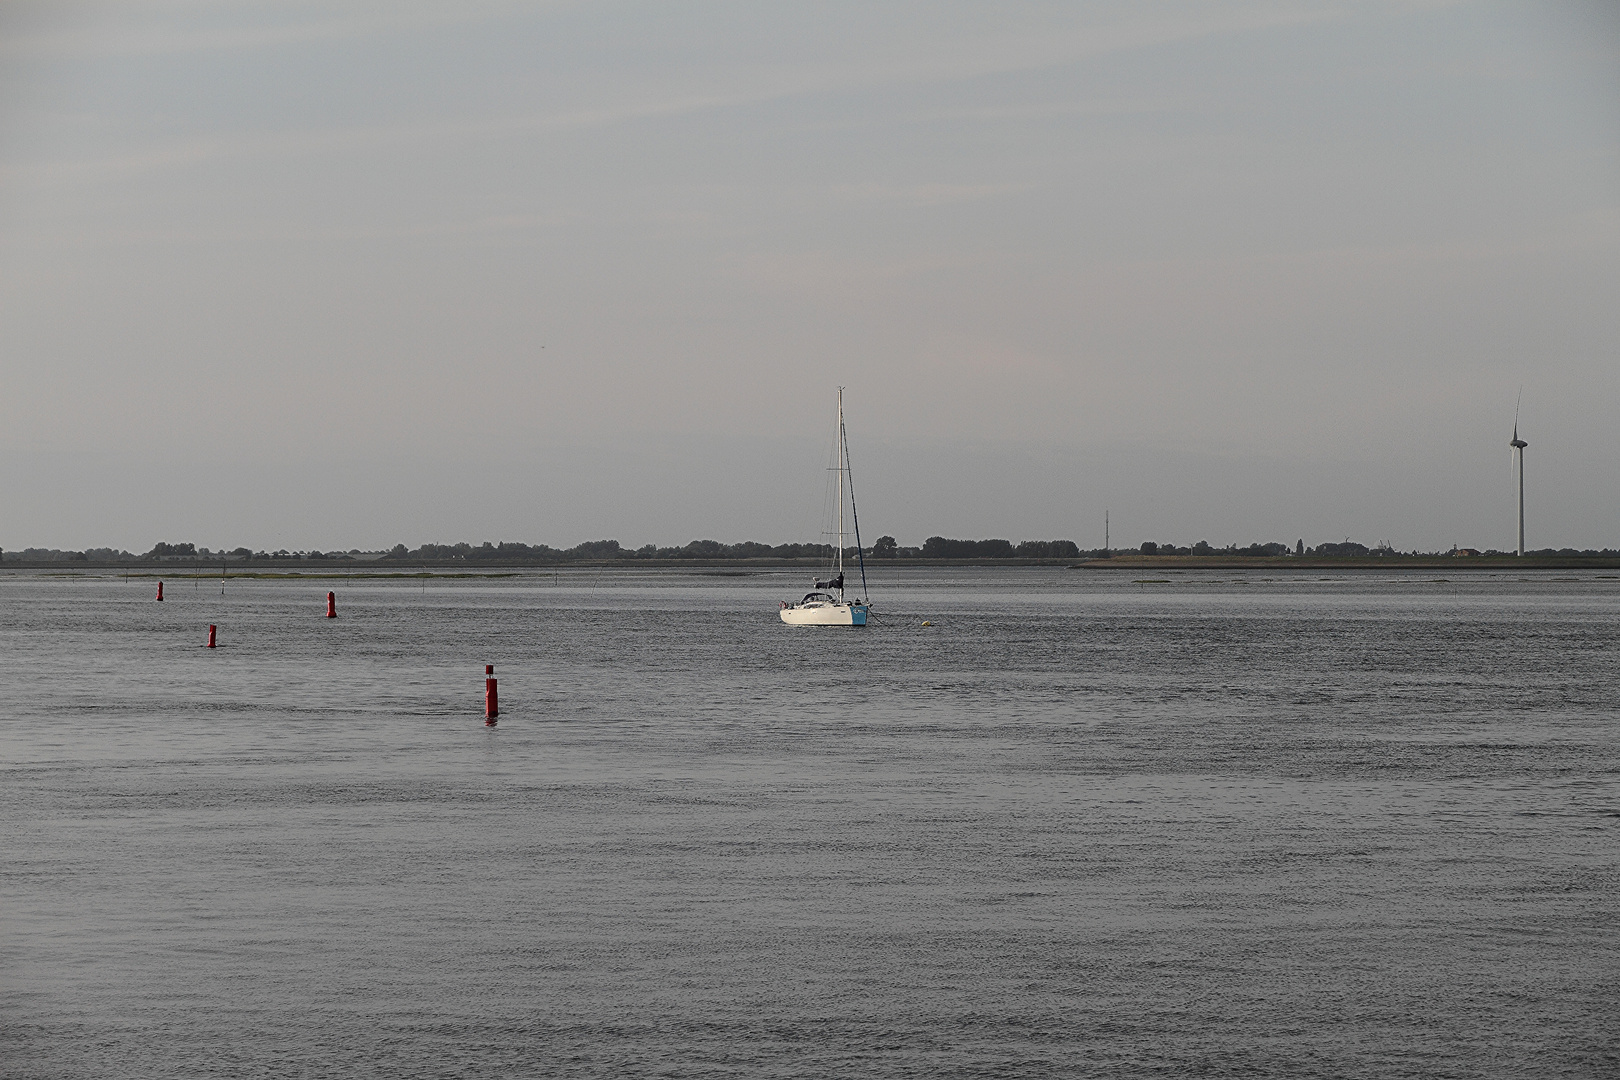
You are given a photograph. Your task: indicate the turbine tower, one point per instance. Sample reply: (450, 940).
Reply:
(1518, 445)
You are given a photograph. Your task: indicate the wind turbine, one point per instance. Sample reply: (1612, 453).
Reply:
(1518, 446)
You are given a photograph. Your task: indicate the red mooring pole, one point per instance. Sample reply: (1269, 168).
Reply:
(160, 592)
(331, 605)
(492, 700)
(211, 629)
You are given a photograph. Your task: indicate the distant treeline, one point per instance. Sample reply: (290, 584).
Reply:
(1345, 547)
(938, 547)
(934, 548)
(52, 555)
(600, 550)
(1203, 547)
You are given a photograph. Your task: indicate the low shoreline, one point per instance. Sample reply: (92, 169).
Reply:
(1458, 563)
(328, 569)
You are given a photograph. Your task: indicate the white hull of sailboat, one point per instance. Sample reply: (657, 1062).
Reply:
(825, 615)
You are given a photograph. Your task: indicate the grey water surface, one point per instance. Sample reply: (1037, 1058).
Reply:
(1214, 825)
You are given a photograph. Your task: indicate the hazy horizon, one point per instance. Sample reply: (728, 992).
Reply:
(317, 276)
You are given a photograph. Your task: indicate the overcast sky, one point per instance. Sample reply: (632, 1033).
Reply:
(332, 276)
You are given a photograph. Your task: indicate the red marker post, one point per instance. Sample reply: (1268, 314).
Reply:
(492, 700)
(211, 629)
(331, 605)
(160, 592)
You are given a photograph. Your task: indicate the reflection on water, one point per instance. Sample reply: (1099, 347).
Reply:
(1360, 826)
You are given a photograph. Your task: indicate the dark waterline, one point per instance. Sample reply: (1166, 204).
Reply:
(1312, 826)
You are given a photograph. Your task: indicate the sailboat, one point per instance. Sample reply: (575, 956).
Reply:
(825, 604)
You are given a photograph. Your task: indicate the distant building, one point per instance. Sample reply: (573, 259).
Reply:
(1464, 551)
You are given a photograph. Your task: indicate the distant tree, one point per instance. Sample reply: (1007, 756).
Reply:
(938, 547)
(598, 549)
(1047, 549)
(1202, 548)
(1299, 547)
(884, 548)
(1149, 548)
(704, 549)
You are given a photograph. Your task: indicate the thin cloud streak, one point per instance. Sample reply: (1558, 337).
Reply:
(1019, 55)
(127, 30)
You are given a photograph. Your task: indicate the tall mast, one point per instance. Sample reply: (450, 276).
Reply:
(1518, 445)
(854, 511)
(838, 448)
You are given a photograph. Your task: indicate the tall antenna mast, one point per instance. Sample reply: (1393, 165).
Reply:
(1518, 445)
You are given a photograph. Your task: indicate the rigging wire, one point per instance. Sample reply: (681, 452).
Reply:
(853, 513)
